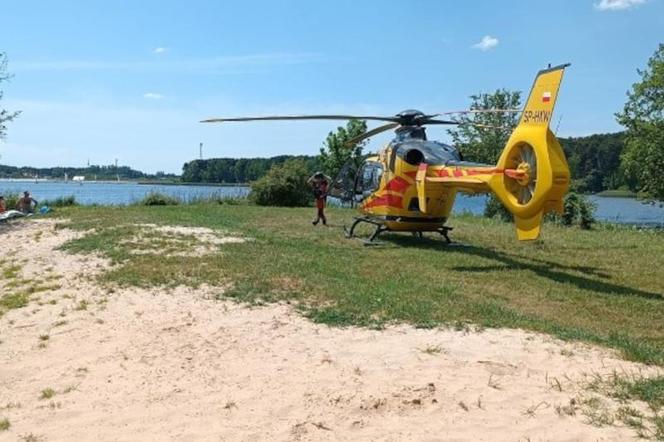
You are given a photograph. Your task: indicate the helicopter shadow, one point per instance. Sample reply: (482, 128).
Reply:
(548, 269)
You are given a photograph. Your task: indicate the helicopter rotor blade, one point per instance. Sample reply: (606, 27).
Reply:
(485, 126)
(467, 123)
(432, 121)
(303, 117)
(480, 111)
(370, 133)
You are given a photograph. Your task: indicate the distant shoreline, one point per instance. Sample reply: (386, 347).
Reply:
(140, 182)
(193, 184)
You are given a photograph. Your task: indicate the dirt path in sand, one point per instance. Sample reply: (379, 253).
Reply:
(177, 365)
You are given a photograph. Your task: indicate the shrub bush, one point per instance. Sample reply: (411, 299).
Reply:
(63, 201)
(495, 209)
(10, 199)
(158, 199)
(283, 185)
(578, 211)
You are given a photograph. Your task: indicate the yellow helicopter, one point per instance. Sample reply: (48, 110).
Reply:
(411, 184)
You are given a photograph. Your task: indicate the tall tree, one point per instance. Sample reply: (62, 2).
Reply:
(643, 116)
(5, 115)
(484, 145)
(335, 153)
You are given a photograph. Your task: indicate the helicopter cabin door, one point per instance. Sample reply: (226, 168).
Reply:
(368, 179)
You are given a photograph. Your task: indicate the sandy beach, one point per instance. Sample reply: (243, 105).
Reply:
(179, 364)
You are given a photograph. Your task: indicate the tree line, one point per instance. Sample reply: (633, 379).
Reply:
(94, 172)
(238, 170)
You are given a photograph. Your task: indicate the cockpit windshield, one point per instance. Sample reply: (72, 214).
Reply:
(433, 151)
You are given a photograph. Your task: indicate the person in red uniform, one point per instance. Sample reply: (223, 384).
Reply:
(319, 182)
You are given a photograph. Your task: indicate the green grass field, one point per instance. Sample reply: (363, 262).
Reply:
(604, 286)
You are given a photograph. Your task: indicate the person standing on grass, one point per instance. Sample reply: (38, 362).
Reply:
(26, 204)
(319, 182)
(3, 205)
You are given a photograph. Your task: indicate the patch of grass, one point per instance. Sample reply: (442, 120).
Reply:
(14, 300)
(432, 349)
(596, 412)
(659, 427)
(573, 284)
(632, 418)
(47, 393)
(4, 424)
(81, 305)
(650, 390)
(11, 272)
(627, 388)
(70, 388)
(44, 337)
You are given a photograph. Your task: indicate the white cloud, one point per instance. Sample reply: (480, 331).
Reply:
(153, 96)
(487, 43)
(617, 5)
(159, 50)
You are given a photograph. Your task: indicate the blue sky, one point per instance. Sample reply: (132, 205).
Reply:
(101, 80)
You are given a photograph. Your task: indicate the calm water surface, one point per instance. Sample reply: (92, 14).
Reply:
(114, 193)
(620, 210)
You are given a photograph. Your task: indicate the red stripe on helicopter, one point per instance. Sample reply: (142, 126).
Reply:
(386, 200)
(397, 184)
(491, 171)
(458, 172)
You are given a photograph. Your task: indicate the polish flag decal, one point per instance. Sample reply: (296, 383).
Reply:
(546, 97)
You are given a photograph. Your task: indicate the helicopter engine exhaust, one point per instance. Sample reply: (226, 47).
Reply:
(414, 157)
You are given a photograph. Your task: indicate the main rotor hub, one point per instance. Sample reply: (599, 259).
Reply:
(404, 133)
(411, 117)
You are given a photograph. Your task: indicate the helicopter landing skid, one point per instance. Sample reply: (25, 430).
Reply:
(381, 227)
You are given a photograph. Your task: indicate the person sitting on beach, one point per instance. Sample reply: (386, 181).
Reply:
(26, 204)
(3, 205)
(319, 182)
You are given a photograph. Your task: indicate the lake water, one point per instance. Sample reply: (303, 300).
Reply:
(620, 210)
(114, 193)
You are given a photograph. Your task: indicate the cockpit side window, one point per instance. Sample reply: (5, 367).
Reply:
(369, 179)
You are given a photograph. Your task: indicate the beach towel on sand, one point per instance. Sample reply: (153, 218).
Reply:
(10, 214)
